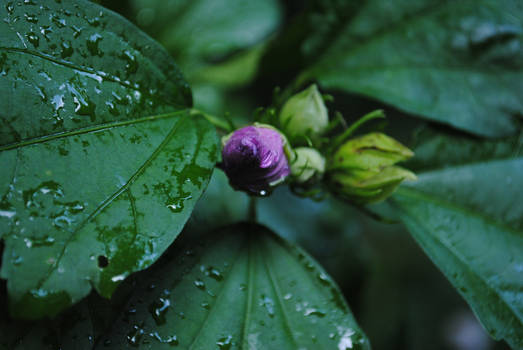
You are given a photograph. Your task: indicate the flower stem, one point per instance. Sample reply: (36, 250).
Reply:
(252, 209)
(369, 116)
(216, 121)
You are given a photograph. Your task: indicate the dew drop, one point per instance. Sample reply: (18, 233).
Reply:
(268, 303)
(112, 108)
(132, 65)
(33, 39)
(92, 44)
(158, 310)
(225, 343)
(67, 49)
(10, 8)
(31, 18)
(199, 284)
(170, 340)
(17, 260)
(135, 335)
(60, 22)
(314, 312)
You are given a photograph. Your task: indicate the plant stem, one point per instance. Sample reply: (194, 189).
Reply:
(369, 116)
(252, 209)
(217, 122)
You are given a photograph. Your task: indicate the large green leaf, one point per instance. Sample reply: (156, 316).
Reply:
(455, 62)
(101, 161)
(468, 219)
(200, 31)
(241, 287)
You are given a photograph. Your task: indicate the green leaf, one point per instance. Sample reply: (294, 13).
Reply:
(200, 31)
(468, 219)
(102, 163)
(455, 62)
(240, 287)
(435, 150)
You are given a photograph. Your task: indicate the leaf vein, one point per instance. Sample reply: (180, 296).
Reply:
(277, 291)
(88, 129)
(106, 202)
(218, 296)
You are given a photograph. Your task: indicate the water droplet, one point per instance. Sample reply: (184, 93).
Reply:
(10, 8)
(76, 31)
(178, 205)
(287, 296)
(17, 260)
(112, 108)
(314, 312)
(158, 309)
(92, 44)
(199, 284)
(205, 305)
(38, 242)
(60, 22)
(225, 343)
(118, 278)
(58, 102)
(95, 21)
(213, 273)
(268, 303)
(7, 213)
(132, 65)
(67, 49)
(345, 342)
(243, 287)
(135, 335)
(33, 39)
(171, 340)
(84, 106)
(31, 18)
(324, 279)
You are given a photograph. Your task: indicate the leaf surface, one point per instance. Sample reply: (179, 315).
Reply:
(199, 32)
(454, 62)
(468, 219)
(101, 161)
(241, 287)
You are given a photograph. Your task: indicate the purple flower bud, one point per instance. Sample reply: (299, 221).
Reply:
(253, 158)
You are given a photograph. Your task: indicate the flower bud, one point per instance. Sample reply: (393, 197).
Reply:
(304, 113)
(308, 165)
(363, 171)
(254, 158)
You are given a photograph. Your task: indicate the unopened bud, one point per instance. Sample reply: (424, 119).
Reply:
(254, 158)
(308, 165)
(304, 114)
(363, 171)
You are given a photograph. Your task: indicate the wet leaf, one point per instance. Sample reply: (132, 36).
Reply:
(468, 219)
(101, 162)
(454, 62)
(239, 287)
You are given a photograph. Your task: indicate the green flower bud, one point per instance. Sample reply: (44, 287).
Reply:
(308, 165)
(362, 169)
(304, 113)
